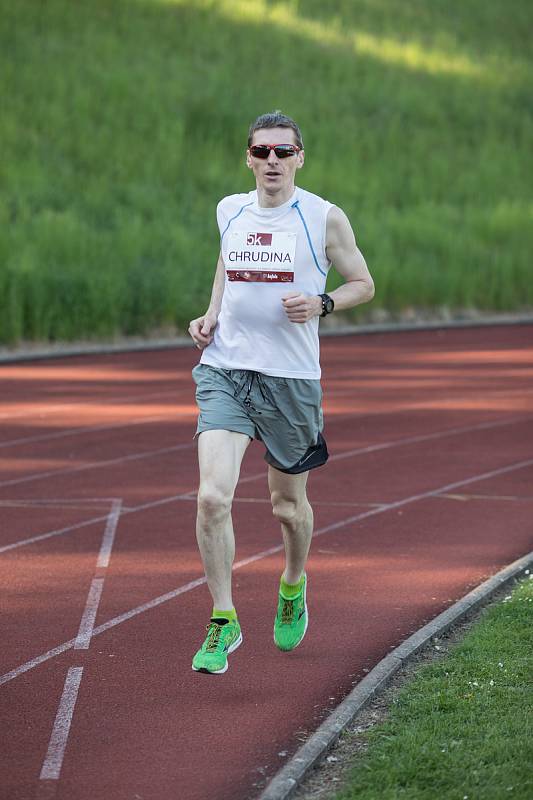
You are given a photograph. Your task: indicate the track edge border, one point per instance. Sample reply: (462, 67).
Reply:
(290, 776)
(140, 345)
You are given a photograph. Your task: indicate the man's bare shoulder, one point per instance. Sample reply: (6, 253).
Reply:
(337, 218)
(339, 231)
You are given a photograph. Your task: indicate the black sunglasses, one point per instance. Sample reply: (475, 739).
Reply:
(281, 150)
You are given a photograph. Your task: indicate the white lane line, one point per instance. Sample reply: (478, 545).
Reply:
(347, 454)
(92, 521)
(56, 502)
(411, 440)
(513, 498)
(109, 534)
(257, 476)
(263, 554)
(58, 741)
(96, 464)
(426, 437)
(164, 598)
(43, 437)
(83, 639)
(35, 662)
(157, 601)
(432, 493)
(40, 537)
(314, 502)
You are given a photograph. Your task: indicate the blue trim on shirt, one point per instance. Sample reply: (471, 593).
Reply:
(297, 207)
(235, 217)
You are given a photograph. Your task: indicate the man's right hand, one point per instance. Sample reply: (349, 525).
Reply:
(202, 329)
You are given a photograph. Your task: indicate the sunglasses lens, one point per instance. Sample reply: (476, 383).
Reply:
(285, 150)
(260, 151)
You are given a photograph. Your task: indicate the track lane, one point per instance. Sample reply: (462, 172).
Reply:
(148, 701)
(191, 558)
(135, 686)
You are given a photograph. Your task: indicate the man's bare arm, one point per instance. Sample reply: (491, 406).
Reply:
(202, 328)
(349, 262)
(342, 251)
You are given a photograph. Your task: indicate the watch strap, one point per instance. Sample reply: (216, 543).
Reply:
(326, 300)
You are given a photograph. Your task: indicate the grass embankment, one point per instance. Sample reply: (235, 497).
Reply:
(462, 727)
(124, 121)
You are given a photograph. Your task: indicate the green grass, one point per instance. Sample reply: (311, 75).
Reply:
(462, 727)
(124, 122)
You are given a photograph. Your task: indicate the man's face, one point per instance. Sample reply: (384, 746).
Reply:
(275, 175)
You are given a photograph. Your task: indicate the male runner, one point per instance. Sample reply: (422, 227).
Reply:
(259, 373)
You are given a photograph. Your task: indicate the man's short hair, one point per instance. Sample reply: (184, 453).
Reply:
(275, 119)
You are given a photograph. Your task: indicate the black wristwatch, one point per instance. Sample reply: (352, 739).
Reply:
(327, 304)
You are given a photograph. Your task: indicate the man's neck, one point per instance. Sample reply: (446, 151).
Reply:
(272, 200)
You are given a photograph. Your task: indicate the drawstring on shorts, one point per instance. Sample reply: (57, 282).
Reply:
(249, 379)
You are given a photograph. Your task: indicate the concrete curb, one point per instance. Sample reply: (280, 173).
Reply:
(287, 780)
(331, 328)
(89, 349)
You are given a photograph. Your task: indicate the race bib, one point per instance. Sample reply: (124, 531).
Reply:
(265, 257)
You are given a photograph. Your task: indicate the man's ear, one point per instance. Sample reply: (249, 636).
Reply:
(248, 159)
(301, 159)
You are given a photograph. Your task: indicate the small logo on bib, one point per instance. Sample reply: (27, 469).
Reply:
(264, 239)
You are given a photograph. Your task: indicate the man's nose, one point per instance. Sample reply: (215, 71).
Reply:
(272, 157)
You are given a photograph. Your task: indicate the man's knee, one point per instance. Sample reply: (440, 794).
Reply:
(214, 503)
(286, 509)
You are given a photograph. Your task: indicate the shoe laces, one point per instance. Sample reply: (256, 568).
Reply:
(213, 639)
(287, 611)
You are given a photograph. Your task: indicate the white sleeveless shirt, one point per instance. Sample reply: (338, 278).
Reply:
(267, 253)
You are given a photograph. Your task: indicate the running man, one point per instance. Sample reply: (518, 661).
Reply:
(259, 373)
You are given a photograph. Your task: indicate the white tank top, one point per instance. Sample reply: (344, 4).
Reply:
(268, 252)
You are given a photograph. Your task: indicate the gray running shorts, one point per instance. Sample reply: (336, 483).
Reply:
(284, 413)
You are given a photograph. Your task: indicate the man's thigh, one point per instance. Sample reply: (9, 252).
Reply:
(220, 455)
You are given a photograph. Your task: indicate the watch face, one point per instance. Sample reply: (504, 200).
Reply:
(328, 305)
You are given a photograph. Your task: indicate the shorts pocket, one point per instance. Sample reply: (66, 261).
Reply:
(202, 375)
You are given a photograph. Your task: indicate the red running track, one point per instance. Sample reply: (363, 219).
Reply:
(427, 493)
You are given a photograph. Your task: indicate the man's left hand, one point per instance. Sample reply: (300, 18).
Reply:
(301, 307)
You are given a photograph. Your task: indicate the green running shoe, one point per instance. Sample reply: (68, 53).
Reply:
(222, 638)
(291, 620)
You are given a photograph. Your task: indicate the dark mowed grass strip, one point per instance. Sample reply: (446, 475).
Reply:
(462, 728)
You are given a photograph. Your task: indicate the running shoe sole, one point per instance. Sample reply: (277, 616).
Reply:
(233, 647)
